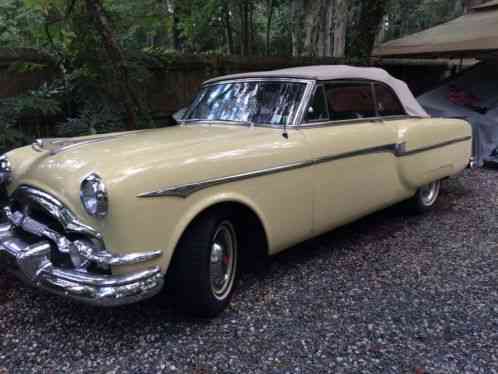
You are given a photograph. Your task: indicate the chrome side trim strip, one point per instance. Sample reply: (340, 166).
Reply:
(435, 146)
(388, 148)
(398, 150)
(186, 190)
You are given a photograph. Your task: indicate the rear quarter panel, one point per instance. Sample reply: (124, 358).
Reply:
(431, 149)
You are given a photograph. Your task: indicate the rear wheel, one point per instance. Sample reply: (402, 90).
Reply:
(426, 197)
(204, 269)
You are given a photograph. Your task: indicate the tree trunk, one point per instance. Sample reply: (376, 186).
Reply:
(228, 28)
(175, 32)
(312, 21)
(326, 28)
(371, 14)
(340, 27)
(244, 27)
(175, 29)
(381, 34)
(116, 57)
(269, 10)
(297, 11)
(322, 29)
(328, 40)
(318, 29)
(252, 29)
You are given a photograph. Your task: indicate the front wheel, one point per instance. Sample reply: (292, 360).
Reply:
(426, 197)
(205, 266)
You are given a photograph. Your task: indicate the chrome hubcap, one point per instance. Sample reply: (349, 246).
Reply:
(429, 193)
(223, 260)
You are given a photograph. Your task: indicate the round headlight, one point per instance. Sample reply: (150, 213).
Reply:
(94, 196)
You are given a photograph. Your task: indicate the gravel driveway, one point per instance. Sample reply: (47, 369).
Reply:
(391, 293)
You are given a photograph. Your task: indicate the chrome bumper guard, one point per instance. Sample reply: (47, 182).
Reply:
(33, 264)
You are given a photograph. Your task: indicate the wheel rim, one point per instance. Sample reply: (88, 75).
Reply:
(429, 193)
(223, 260)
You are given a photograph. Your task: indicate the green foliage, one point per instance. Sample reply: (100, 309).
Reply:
(200, 25)
(87, 98)
(97, 119)
(35, 104)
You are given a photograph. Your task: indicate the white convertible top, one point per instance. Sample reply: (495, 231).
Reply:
(334, 72)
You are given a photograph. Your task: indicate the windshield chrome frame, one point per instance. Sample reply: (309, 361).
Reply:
(295, 120)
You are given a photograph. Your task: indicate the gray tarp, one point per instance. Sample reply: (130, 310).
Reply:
(480, 81)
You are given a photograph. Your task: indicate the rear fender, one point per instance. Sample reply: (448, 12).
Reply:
(431, 149)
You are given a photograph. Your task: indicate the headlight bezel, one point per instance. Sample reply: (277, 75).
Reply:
(93, 187)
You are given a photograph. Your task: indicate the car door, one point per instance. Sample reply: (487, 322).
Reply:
(355, 169)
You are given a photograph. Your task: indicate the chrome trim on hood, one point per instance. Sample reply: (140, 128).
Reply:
(58, 145)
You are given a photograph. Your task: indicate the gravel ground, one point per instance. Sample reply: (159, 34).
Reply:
(391, 293)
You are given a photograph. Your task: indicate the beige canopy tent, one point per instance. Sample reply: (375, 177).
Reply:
(475, 34)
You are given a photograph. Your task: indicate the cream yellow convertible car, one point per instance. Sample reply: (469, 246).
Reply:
(257, 163)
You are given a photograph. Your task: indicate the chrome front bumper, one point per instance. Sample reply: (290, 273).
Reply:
(33, 264)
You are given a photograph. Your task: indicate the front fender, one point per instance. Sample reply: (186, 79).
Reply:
(203, 204)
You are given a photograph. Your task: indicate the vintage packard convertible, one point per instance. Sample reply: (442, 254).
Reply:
(257, 163)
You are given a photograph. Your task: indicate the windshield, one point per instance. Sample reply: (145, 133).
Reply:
(268, 102)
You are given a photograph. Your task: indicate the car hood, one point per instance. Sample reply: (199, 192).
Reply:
(145, 159)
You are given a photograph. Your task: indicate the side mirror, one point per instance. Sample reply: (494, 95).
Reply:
(175, 118)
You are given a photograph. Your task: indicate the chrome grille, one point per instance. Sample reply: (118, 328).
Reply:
(42, 215)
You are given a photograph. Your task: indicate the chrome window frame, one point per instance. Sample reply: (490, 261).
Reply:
(375, 119)
(389, 88)
(318, 86)
(295, 120)
(332, 122)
